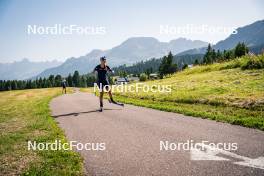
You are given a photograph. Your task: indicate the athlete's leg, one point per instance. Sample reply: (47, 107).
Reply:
(101, 93)
(101, 98)
(110, 93)
(111, 97)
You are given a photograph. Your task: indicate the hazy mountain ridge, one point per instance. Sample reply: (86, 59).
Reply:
(24, 69)
(72, 64)
(128, 52)
(252, 35)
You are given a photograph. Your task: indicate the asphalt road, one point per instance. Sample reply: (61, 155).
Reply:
(134, 139)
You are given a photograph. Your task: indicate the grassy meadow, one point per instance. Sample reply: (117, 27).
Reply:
(25, 116)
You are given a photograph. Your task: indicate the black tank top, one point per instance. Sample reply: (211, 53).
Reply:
(102, 73)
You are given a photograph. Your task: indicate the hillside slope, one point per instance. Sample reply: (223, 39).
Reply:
(252, 35)
(222, 91)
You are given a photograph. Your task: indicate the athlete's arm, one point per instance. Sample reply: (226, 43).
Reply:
(95, 69)
(109, 69)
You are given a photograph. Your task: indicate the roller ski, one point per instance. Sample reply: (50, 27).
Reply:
(116, 103)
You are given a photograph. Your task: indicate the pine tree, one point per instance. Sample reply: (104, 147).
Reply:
(58, 80)
(14, 85)
(8, 85)
(240, 50)
(40, 83)
(167, 66)
(1, 85)
(52, 80)
(196, 62)
(208, 55)
(76, 79)
(69, 80)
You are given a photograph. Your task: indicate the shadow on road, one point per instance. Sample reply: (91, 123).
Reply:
(78, 113)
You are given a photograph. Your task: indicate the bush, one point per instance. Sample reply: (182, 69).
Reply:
(255, 62)
(184, 66)
(236, 63)
(143, 77)
(245, 62)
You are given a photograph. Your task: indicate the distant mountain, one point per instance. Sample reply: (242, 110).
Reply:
(182, 44)
(24, 69)
(193, 51)
(83, 64)
(130, 51)
(252, 35)
(136, 49)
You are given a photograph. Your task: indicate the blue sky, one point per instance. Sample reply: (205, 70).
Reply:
(121, 19)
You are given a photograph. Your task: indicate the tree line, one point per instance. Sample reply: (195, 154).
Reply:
(75, 80)
(212, 56)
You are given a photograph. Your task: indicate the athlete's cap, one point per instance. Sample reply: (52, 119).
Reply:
(103, 58)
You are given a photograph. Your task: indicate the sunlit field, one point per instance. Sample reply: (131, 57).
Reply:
(25, 116)
(228, 92)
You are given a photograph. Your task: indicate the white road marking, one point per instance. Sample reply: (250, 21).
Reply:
(210, 153)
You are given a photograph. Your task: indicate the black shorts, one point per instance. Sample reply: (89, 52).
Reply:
(103, 85)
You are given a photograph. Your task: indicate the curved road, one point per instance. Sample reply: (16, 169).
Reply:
(135, 140)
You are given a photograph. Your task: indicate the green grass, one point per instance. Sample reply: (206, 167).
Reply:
(25, 116)
(225, 92)
(233, 115)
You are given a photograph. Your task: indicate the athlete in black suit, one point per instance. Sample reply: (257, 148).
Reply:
(102, 80)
